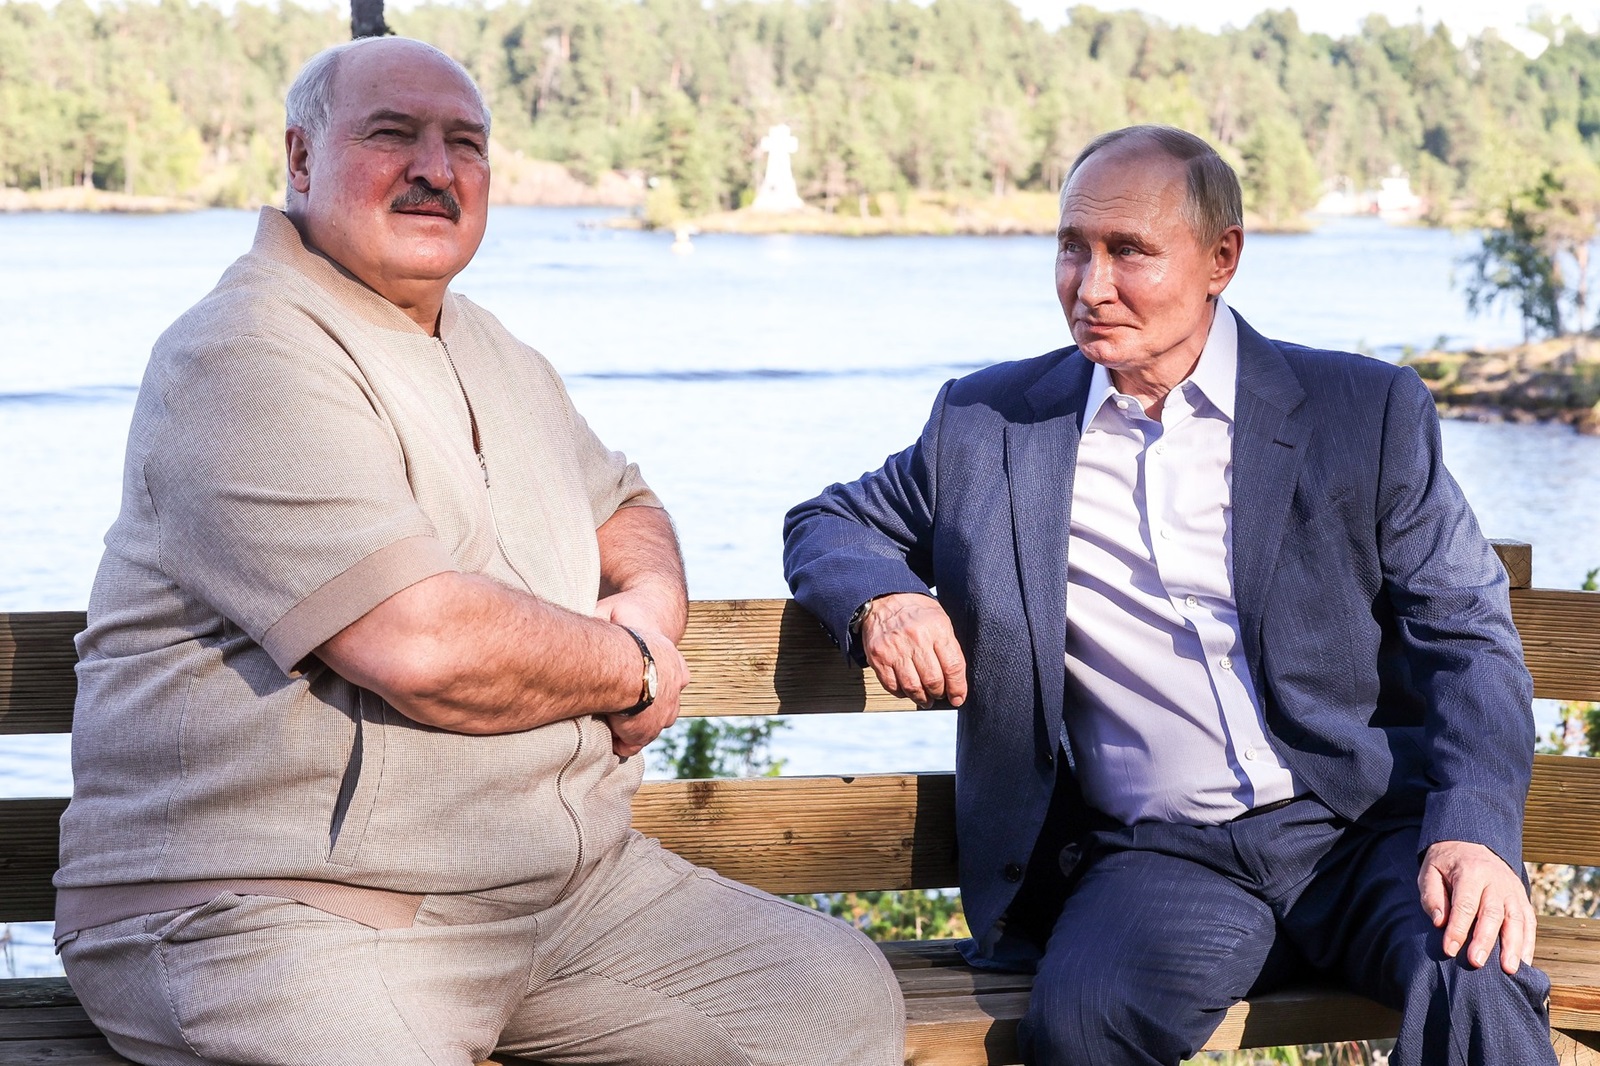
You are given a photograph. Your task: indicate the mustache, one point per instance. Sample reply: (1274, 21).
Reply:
(424, 196)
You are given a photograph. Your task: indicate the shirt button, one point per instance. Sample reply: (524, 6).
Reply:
(1225, 662)
(1166, 533)
(1250, 754)
(1013, 872)
(1161, 449)
(1122, 405)
(1191, 601)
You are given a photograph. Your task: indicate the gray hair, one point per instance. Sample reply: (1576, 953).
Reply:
(309, 103)
(1213, 202)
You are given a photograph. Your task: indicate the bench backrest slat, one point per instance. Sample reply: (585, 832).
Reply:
(750, 657)
(815, 834)
(758, 657)
(1560, 640)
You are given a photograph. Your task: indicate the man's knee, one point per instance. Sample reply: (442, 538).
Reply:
(847, 1006)
(1471, 992)
(1107, 1015)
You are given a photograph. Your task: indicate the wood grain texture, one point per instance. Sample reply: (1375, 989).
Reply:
(1560, 641)
(810, 834)
(759, 657)
(37, 683)
(31, 831)
(1576, 1048)
(747, 657)
(1517, 558)
(36, 992)
(816, 834)
(771, 657)
(1303, 1016)
(80, 1051)
(1561, 822)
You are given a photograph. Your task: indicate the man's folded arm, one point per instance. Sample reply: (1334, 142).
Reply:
(641, 571)
(467, 654)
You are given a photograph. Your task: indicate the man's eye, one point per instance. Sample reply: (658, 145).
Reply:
(1127, 251)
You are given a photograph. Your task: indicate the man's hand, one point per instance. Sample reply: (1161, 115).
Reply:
(1468, 888)
(645, 607)
(631, 732)
(909, 644)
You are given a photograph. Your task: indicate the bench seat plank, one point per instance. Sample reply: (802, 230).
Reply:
(955, 1015)
(39, 1023)
(76, 1051)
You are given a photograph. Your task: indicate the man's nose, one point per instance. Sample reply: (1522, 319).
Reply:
(1098, 283)
(430, 162)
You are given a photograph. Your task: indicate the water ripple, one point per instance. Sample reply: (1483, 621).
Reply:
(773, 373)
(86, 394)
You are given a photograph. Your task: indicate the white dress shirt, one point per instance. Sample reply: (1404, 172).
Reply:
(1164, 719)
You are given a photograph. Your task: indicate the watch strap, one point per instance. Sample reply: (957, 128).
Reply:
(646, 696)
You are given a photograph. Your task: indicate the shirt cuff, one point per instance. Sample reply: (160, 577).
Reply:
(344, 599)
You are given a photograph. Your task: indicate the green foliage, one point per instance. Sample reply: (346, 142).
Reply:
(1537, 256)
(698, 748)
(1346, 1053)
(1279, 174)
(888, 97)
(1513, 266)
(929, 914)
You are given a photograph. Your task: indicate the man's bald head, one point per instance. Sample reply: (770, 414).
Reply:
(309, 103)
(1212, 202)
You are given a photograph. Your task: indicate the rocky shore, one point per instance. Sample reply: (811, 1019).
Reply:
(1546, 381)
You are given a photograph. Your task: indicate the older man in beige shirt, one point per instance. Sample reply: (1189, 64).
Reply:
(377, 633)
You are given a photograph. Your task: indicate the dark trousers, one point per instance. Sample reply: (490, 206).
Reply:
(1169, 925)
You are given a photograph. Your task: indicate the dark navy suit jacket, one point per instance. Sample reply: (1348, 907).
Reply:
(1374, 615)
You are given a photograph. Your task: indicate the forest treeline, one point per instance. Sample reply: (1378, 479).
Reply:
(887, 96)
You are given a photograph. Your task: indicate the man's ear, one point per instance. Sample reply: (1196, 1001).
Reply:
(297, 147)
(1225, 259)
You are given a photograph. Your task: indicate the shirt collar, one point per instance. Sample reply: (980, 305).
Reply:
(1215, 375)
(279, 240)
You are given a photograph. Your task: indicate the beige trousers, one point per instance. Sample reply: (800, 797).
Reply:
(649, 961)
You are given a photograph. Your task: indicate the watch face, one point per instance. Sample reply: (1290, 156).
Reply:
(650, 680)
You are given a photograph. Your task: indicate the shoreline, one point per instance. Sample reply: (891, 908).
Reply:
(524, 182)
(1549, 381)
(1020, 213)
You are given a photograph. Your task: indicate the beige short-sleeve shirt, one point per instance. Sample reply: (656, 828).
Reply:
(300, 451)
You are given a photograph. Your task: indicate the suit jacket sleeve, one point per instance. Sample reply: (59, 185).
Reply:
(1452, 609)
(868, 538)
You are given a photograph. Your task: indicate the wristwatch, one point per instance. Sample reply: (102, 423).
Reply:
(647, 687)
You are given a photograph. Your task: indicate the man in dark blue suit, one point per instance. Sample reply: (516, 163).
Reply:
(1240, 696)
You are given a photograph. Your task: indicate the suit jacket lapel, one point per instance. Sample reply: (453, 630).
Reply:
(1269, 444)
(1041, 457)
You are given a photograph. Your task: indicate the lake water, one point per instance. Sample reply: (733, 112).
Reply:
(743, 378)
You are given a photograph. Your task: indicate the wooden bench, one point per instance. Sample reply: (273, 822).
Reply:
(860, 833)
